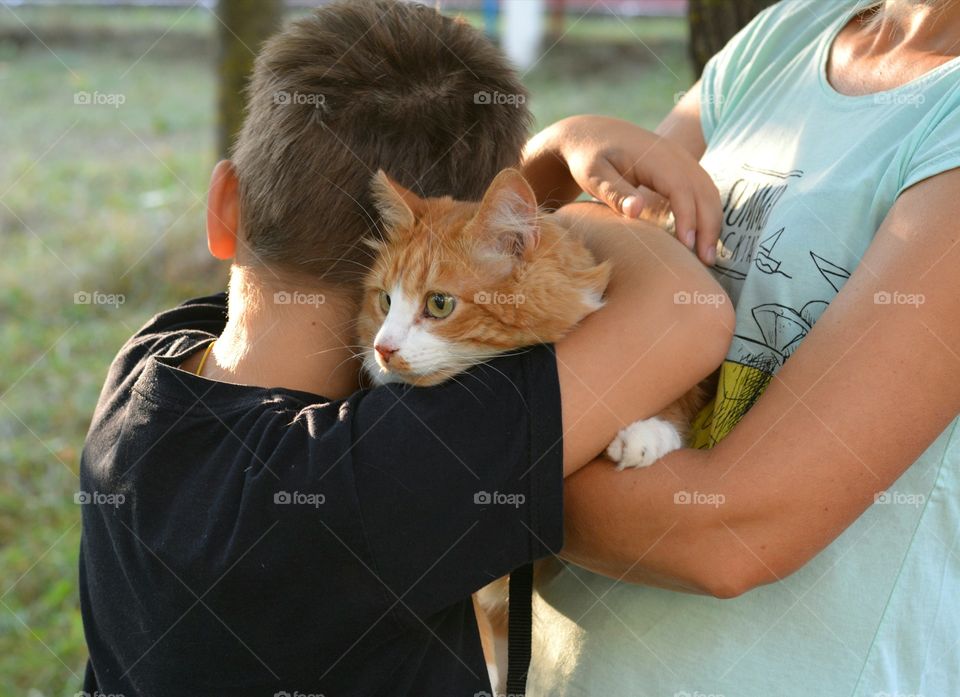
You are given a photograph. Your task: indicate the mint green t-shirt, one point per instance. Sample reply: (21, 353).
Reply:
(806, 176)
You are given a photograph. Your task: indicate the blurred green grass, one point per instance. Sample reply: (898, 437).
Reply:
(96, 198)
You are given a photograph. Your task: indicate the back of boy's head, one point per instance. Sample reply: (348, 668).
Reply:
(353, 87)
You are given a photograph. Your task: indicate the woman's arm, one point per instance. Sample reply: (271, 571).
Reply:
(682, 124)
(866, 393)
(632, 357)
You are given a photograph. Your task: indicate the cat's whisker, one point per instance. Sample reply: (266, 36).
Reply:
(363, 266)
(471, 374)
(512, 383)
(363, 209)
(354, 357)
(349, 347)
(375, 225)
(456, 379)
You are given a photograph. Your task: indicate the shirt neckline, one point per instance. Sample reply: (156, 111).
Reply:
(164, 381)
(882, 97)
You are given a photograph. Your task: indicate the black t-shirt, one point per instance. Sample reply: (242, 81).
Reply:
(247, 541)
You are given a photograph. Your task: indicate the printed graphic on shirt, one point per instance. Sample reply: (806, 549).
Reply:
(835, 274)
(765, 261)
(765, 267)
(747, 207)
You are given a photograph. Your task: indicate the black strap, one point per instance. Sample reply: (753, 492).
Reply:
(519, 630)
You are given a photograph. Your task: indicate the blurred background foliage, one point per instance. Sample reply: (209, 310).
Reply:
(110, 198)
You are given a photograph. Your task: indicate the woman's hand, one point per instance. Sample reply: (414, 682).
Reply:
(614, 161)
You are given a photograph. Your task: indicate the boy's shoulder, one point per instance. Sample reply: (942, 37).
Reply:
(170, 332)
(191, 321)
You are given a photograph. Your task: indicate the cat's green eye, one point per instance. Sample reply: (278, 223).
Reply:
(440, 305)
(384, 302)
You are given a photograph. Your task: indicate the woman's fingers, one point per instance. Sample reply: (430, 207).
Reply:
(676, 187)
(709, 220)
(613, 178)
(695, 203)
(632, 205)
(608, 185)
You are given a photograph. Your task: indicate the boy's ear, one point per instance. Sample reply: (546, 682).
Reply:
(223, 211)
(397, 205)
(508, 217)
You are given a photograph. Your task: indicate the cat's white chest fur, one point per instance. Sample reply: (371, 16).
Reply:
(644, 442)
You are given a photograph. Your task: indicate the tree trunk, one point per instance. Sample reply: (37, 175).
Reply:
(242, 27)
(558, 15)
(714, 22)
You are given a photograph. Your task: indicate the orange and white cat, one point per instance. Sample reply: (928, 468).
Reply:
(427, 314)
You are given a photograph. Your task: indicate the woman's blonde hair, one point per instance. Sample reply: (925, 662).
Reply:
(875, 12)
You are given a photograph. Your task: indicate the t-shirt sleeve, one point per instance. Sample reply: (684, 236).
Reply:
(712, 88)
(460, 483)
(936, 146)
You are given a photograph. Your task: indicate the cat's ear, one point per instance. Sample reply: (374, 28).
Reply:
(397, 205)
(508, 216)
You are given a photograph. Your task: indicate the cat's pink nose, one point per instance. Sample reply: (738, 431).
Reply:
(384, 351)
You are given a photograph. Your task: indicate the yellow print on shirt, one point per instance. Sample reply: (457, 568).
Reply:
(738, 387)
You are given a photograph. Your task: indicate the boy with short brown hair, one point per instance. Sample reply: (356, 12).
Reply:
(283, 532)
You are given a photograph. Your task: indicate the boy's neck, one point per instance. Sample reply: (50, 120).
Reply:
(284, 335)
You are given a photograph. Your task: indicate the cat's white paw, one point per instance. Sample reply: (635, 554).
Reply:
(643, 442)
